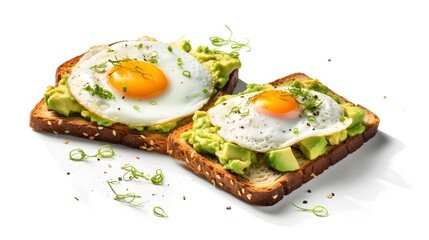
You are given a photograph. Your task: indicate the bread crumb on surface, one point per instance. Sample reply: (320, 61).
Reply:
(331, 195)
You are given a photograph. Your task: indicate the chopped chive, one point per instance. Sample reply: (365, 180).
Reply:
(179, 62)
(186, 73)
(311, 118)
(295, 131)
(159, 212)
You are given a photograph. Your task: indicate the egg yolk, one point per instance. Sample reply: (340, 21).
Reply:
(137, 79)
(278, 103)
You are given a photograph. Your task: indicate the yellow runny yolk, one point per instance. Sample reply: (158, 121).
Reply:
(276, 102)
(137, 79)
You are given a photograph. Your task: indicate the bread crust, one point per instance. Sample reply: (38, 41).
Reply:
(273, 192)
(44, 120)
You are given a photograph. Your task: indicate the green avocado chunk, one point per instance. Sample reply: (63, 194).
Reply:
(313, 147)
(358, 115)
(282, 160)
(337, 137)
(235, 158)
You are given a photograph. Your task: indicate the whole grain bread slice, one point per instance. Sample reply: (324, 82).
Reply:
(44, 120)
(260, 185)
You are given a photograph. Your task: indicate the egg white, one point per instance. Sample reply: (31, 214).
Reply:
(255, 130)
(182, 97)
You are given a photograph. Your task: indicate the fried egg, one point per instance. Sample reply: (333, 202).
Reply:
(140, 82)
(275, 119)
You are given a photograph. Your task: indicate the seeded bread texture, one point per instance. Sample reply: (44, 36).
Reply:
(44, 120)
(260, 185)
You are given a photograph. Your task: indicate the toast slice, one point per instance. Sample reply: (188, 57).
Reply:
(44, 120)
(261, 185)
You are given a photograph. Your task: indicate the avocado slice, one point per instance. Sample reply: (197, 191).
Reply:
(313, 147)
(282, 160)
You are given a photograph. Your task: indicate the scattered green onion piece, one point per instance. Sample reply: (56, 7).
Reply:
(244, 112)
(153, 54)
(158, 178)
(128, 198)
(170, 49)
(295, 131)
(317, 210)
(159, 212)
(109, 50)
(136, 107)
(132, 173)
(179, 62)
(140, 46)
(77, 155)
(124, 89)
(186, 73)
(99, 68)
(219, 42)
(342, 119)
(105, 151)
(205, 90)
(99, 91)
(309, 101)
(311, 118)
(152, 102)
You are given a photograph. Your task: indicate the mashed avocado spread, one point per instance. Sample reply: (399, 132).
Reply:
(204, 138)
(220, 65)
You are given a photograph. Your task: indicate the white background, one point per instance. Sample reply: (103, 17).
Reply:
(378, 52)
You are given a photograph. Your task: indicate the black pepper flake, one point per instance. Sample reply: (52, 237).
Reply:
(119, 178)
(68, 173)
(305, 201)
(308, 124)
(77, 199)
(119, 109)
(123, 97)
(329, 60)
(228, 208)
(309, 191)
